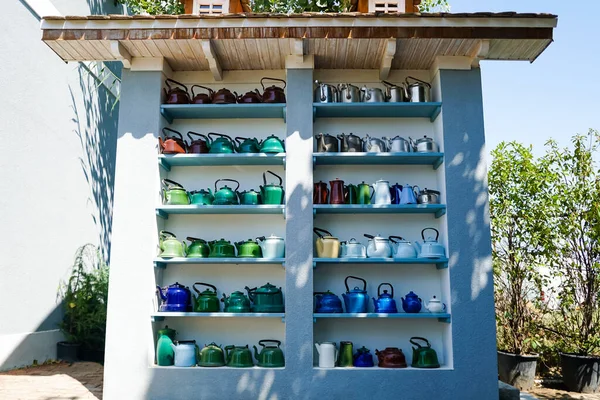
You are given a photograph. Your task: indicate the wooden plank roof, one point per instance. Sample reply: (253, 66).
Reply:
(263, 41)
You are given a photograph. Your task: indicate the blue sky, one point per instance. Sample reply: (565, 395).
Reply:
(556, 96)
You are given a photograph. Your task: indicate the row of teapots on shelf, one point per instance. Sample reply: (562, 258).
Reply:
(354, 144)
(328, 246)
(263, 247)
(391, 357)
(272, 193)
(180, 95)
(216, 143)
(383, 193)
(178, 298)
(415, 91)
(357, 301)
(186, 353)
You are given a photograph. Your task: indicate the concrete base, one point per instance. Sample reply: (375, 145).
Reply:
(508, 392)
(21, 349)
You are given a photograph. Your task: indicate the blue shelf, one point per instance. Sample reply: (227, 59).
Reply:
(433, 159)
(221, 111)
(440, 263)
(160, 316)
(377, 110)
(437, 209)
(195, 160)
(165, 211)
(163, 262)
(442, 317)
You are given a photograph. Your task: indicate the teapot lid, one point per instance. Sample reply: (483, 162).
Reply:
(430, 191)
(185, 342)
(176, 285)
(212, 345)
(357, 290)
(353, 241)
(329, 293)
(434, 300)
(268, 288)
(385, 294)
(412, 294)
(273, 237)
(237, 293)
(424, 139)
(222, 241)
(363, 350)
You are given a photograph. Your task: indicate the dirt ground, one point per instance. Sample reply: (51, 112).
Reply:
(83, 381)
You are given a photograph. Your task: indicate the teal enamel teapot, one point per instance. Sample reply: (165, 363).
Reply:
(202, 197)
(226, 196)
(272, 193)
(247, 145)
(174, 194)
(238, 302)
(272, 144)
(223, 144)
(169, 245)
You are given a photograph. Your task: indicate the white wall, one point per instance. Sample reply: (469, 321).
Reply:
(58, 144)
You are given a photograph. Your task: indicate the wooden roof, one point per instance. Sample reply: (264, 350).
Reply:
(263, 41)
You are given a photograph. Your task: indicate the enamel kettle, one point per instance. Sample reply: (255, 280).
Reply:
(363, 358)
(385, 302)
(435, 305)
(412, 303)
(185, 353)
(206, 301)
(174, 194)
(402, 248)
(200, 145)
(423, 356)
(272, 246)
(374, 145)
(430, 247)
(327, 302)
(225, 195)
(175, 297)
(172, 143)
(408, 195)
(270, 356)
(378, 246)
(356, 300)
(272, 193)
(164, 352)
(353, 249)
(381, 192)
(351, 143)
(328, 353)
(327, 245)
(169, 246)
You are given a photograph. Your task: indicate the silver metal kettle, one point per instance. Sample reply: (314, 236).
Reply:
(394, 93)
(348, 93)
(371, 95)
(325, 93)
(375, 145)
(418, 91)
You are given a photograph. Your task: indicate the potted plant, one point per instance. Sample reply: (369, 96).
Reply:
(518, 187)
(576, 262)
(84, 297)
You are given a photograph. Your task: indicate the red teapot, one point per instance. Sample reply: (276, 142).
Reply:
(176, 95)
(171, 144)
(198, 146)
(202, 98)
(391, 357)
(224, 96)
(273, 94)
(250, 97)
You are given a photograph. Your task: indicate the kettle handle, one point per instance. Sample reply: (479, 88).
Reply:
(167, 136)
(437, 233)
(203, 284)
(165, 233)
(416, 192)
(240, 139)
(317, 230)
(417, 80)
(272, 173)
(190, 133)
(220, 134)
(228, 180)
(386, 83)
(210, 91)
(175, 82)
(271, 79)
(355, 277)
(385, 283)
(260, 342)
(419, 338)
(369, 236)
(395, 237)
(250, 292)
(168, 183)
(194, 239)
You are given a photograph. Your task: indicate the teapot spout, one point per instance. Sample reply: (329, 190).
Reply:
(173, 346)
(318, 346)
(255, 352)
(160, 292)
(418, 246)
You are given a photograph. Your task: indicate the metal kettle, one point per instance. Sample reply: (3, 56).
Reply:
(394, 93)
(348, 93)
(327, 143)
(402, 248)
(327, 302)
(272, 144)
(172, 143)
(430, 247)
(273, 94)
(412, 303)
(202, 98)
(381, 192)
(423, 356)
(325, 93)
(374, 145)
(225, 195)
(363, 358)
(250, 97)
(424, 145)
(200, 145)
(371, 95)
(351, 143)
(198, 248)
(378, 246)
(176, 95)
(385, 302)
(211, 355)
(247, 145)
(353, 249)
(272, 193)
(169, 246)
(238, 302)
(174, 193)
(266, 299)
(327, 245)
(206, 301)
(224, 96)
(418, 91)
(399, 145)
(175, 297)
(202, 197)
(356, 300)
(408, 195)
(270, 356)
(223, 144)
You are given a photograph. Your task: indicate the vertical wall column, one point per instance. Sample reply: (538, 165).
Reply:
(299, 222)
(129, 337)
(469, 242)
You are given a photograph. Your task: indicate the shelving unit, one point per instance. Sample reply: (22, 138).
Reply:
(221, 111)
(164, 262)
(442, 317)
(377, 110)
(160, 316)
(386, 158)
(440, 263)
(167, 161)
(437, 209)
(164, 211)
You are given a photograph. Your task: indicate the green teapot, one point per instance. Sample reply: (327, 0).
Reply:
(225, 196)
(174, 193)
(271, 193)
(249, 197)
(270, 356)
(211, 355)
(423, 356)
(236, 303)
(221, 248)
(170, 246)
(198, 248)
(202, 197)
(266, 299)
(164, 353)
(206, 301)
(247, 145)
(272, 144)
(248, 249)
(222, 145)
(239, 356)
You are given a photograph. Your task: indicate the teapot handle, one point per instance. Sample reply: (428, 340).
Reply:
(168, 183)
(395, 237)
(272, 173)
(193, 239)
(260, 342)
(437, 233)
(190, 133)
(250, 292)
(385, 283)
(415, 191)
(166, 234)
(317, 230)
(419, 338)
(355, 277)
(417, 80)
(177, 83)
(228, 180)
(210, 91)
(203, 284)
(369, 236)
(240, 139)
(167, 136)
(220, 134)
(271, 79)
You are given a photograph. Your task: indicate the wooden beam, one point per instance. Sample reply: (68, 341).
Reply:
(188, 6)
(387, 58)
(213, 61)
(120, 53)
(481, 53)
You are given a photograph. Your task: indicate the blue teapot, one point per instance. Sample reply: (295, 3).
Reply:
(407, 196)
(412, 303)
(363, 358)
(356, 300)
(177, 298)
(327, 302)
(385, 302)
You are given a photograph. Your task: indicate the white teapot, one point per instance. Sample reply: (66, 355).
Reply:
(435, 306)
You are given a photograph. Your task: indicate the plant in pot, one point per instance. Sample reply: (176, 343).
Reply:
(576, 261)
(84, 296)
(519, 188)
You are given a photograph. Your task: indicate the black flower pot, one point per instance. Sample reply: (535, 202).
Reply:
(580, 373)
(68, 351)
(92, 355)
(517, 370)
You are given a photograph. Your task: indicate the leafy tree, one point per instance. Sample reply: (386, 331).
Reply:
(153, 7)
(434, 6)
(521, 243)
